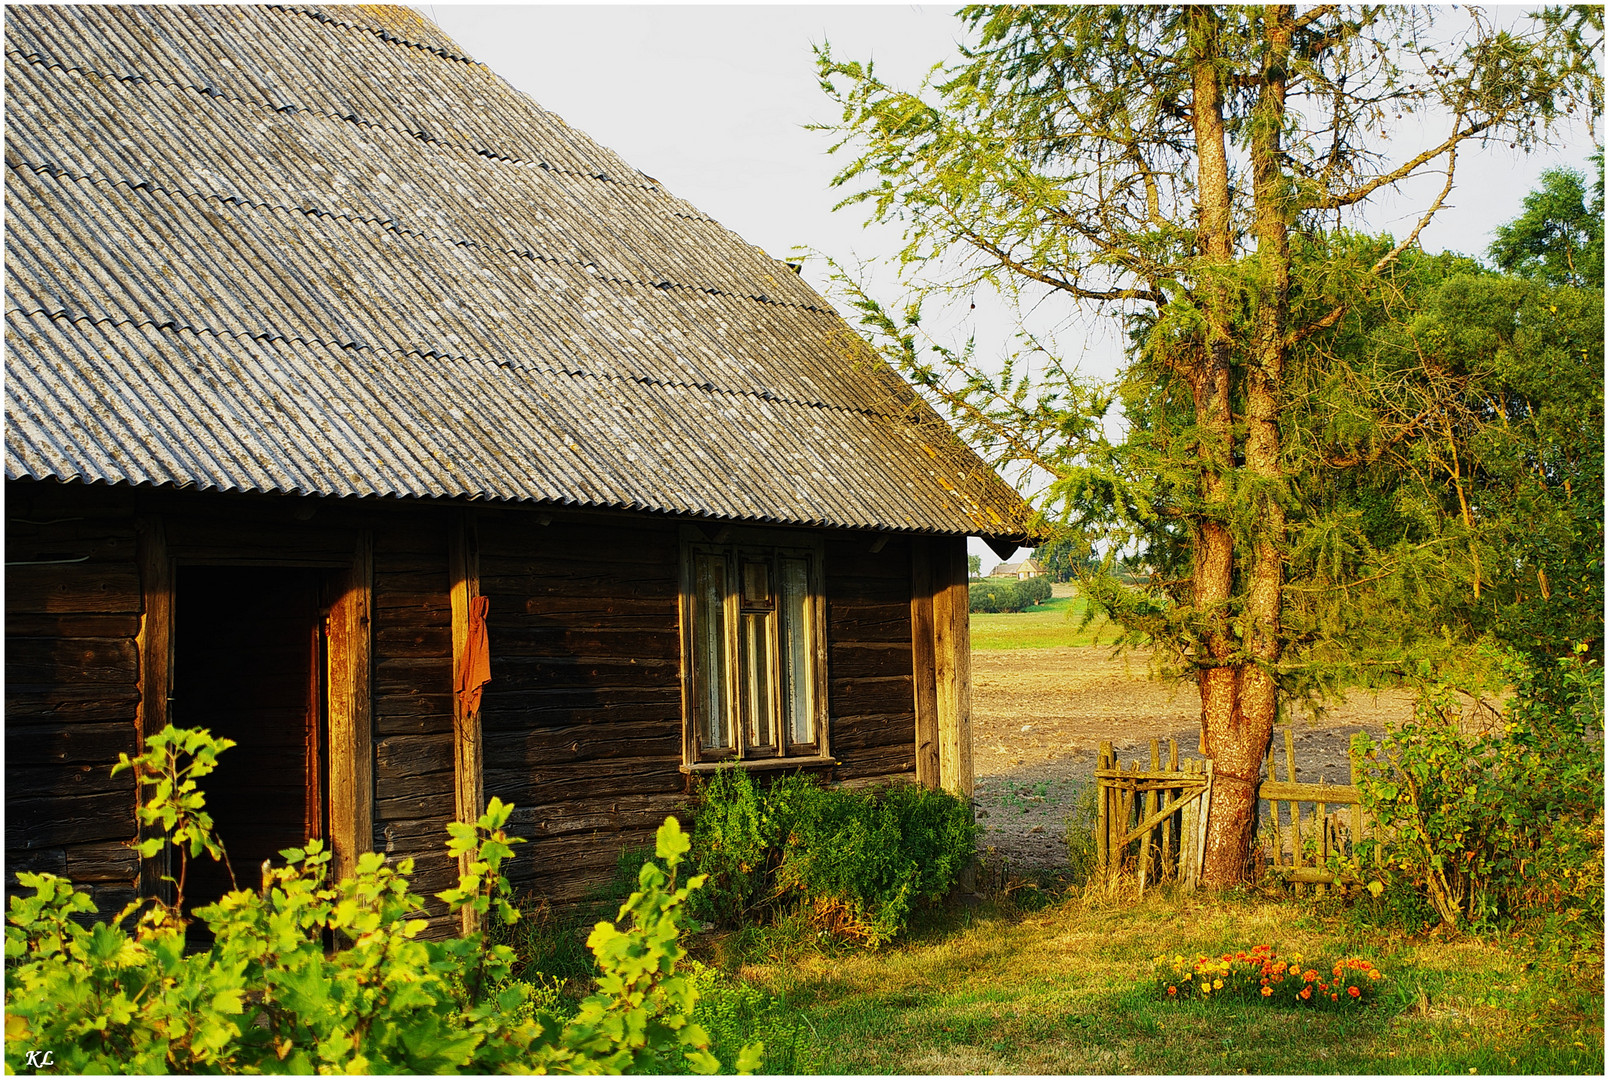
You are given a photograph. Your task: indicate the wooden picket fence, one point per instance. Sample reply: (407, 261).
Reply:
(1151, 822)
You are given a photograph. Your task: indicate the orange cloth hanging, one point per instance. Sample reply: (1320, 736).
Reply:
(476, 669)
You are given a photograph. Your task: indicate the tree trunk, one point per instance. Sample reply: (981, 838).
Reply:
(1239, 701)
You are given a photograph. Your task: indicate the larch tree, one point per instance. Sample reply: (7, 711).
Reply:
(1184, 168)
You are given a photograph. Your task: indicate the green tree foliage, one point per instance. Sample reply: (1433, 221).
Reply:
(974, 566)
(1066, 557)
(270, 994)
(1184, 168)
(860, 862)
(1559, 237)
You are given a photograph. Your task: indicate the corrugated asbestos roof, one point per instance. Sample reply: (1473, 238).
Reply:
(318, 250)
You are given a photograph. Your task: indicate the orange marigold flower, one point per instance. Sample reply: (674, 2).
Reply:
(1354, 991)
(1333, 997)
(1337, 971)
(1267, 990)
(1322, 986)
(1295, 970)
(1172, 990)
(1373, 974)
(1307, 992)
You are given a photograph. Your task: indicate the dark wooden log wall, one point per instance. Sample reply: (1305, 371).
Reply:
(413, 709)
(871, 696)
(72, 686)
(581, 721)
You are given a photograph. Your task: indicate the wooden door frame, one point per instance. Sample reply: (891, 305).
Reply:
(348, 675)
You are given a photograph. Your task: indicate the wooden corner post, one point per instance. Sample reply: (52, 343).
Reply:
(923, 674)
(463, 560)
(952, 664)
(156, 666)
(351, 725)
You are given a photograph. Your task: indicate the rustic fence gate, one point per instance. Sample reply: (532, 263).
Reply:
(1151, 823)
(1161, 810)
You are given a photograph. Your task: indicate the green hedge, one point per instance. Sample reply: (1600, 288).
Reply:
(861, 861)
(991, 596)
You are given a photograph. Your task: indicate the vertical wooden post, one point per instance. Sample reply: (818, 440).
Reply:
(1273, 810)
(1353, 754)
(923, 663)
(1103, 813)
(1147, 808)
(952, 649)
(351, 726)
(1295, 807)
(463, 560)
(155, 644)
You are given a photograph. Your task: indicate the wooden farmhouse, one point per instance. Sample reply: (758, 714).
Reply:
(362, 411)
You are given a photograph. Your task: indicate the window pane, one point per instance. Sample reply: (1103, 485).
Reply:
(797, 688)
(759, 724)
(709, 652)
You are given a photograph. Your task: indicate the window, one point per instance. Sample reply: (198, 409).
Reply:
(753, 676)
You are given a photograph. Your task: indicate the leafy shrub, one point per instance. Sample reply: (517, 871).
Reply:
(995, 595)
(736, 1013)
(270, 995)
(862, 860)
(1490, 828)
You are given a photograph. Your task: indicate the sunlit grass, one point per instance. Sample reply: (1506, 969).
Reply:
(1069, 989)
(1055, 623)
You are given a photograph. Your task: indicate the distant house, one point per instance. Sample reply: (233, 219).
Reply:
(365, 412)
(1022, 571)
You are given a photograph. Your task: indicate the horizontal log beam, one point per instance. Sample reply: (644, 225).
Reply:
(1324, 793)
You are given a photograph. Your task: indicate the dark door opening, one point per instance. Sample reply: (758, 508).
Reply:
(249, 662)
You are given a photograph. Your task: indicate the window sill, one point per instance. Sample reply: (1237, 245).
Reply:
(760, 763)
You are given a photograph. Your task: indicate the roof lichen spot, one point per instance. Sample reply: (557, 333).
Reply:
(396, 18)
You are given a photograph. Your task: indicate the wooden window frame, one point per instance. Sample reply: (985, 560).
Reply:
(738, 547)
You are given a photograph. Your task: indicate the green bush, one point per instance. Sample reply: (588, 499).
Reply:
(1491, 828)
(307, 975)
(994, 595)
(861, 860)
(735, 1014)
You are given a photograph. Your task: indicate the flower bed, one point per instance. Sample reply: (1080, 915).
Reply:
(1261, 974)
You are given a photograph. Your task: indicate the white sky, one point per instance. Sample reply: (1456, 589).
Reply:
(713, 101)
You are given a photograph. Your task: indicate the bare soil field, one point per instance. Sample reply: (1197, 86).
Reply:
(1040, 715)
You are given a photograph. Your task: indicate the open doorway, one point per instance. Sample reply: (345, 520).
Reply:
(250, 657)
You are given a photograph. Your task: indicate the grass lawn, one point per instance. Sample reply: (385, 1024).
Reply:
(1049, 625)
(1070, 989)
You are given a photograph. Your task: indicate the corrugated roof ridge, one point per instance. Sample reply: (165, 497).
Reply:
(321, 14)
(351, 118)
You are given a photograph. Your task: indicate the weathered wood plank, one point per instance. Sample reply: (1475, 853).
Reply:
(32, 745)
(412, 640)
(100, 588)
(72, 625)
(397, 755)
(585, 742)
(55, 822)
(414, 805)
(871, 661)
